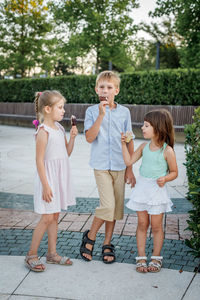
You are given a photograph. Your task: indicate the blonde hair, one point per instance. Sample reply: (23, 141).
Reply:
(46, 98)
(108, 76)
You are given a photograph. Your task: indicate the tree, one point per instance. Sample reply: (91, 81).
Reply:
(61, 68)
(23, 29)
(166, 36)
(100, 25)
(144, 55)
(187, 24)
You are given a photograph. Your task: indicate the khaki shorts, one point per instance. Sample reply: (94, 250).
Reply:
(111, 186)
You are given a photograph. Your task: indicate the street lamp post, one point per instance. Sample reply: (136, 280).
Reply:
(158, 55)
(110, 65)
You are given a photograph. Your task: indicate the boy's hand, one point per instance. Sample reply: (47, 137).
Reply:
(102, 107)
(161, 181)
(47, 194)
(73, 132)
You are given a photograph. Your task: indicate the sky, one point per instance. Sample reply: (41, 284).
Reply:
(141, 14)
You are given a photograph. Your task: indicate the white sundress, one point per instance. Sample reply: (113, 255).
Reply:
(58, 174)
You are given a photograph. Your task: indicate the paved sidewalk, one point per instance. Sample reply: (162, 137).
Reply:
(178, 278)
(17, 225)
(94, 281)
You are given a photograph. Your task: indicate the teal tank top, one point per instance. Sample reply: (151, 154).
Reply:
(153, 164)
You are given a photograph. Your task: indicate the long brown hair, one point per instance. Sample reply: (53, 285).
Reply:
(162, 123)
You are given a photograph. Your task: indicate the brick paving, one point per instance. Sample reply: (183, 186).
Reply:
(83, 205)
(174, 225)
(17, 241)
(17, 221)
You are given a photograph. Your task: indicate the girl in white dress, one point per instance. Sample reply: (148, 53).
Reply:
(149, 197)
(53, 186)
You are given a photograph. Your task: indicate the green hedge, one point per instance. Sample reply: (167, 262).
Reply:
(192, 147)
(167, 87)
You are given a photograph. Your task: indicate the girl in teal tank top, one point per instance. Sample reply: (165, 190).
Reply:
(149, 198)
(154, 164)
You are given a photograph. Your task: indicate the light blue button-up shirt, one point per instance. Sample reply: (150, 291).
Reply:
(106, 150)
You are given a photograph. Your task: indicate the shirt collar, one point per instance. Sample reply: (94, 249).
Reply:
(107, 107)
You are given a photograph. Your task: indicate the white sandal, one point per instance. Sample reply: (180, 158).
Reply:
(141, 264)
(32, 265)
(64, 261)
(155, 264)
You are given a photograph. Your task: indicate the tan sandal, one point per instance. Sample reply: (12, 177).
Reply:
(32, 265)
(64, 261)
(141, 264)
(155, 264)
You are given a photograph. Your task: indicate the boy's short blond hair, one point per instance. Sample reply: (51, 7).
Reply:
(109, 76)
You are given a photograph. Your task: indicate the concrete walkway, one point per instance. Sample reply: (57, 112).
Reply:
(93, 280)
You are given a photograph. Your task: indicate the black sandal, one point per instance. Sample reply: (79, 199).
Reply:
(83, 249)
(110, 247)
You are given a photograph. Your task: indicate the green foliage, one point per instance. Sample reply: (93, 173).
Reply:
(76, 89)
(61, 68)
(169, 87)
(23, 36)
(192, 148)
(165, 34)
(187, 24)
(103, 27)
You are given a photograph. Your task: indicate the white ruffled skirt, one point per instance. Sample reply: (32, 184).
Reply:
(147, 195)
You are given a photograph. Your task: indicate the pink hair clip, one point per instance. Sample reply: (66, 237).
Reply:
(36, 123)
(40, 93)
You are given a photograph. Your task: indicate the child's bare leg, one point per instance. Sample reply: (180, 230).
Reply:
(141, 235)
(52, 238)
(38, 235)
(96, 225)
(109, 228)
(158, 236)
(52, 234)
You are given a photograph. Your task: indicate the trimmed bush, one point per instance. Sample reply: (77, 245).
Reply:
(164, 87)
(192, 147)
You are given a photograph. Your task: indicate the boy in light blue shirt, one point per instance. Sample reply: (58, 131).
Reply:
(103, 125)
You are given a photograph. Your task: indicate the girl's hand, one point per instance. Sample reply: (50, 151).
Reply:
(161, 181)
(130, 177)
(73, 132)
(47, 194)
(123, 138)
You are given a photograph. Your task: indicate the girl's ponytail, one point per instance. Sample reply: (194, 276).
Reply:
(37, 121)
(36, 105)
